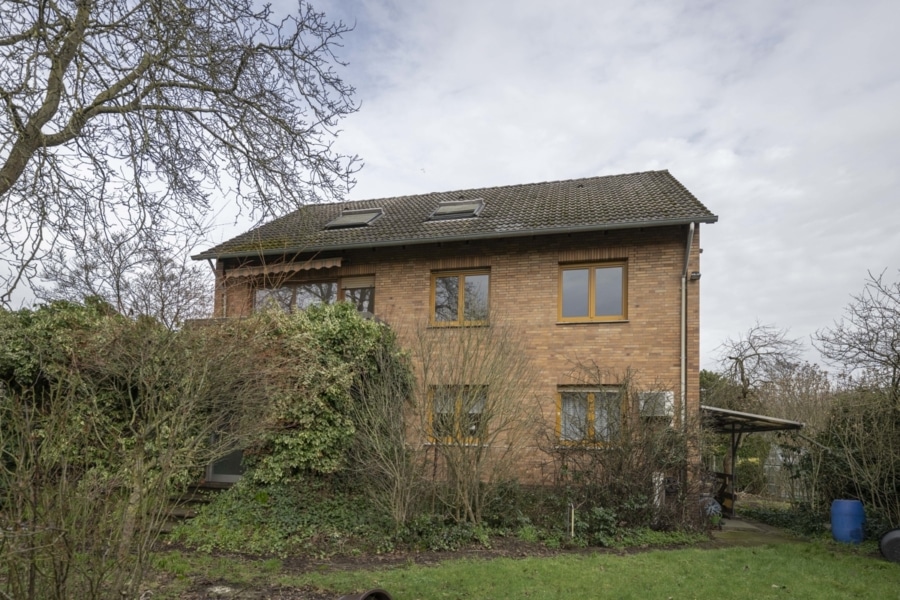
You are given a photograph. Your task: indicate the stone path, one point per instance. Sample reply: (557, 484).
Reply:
(741, 532)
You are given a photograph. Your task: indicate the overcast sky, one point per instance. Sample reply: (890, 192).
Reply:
(783, 117)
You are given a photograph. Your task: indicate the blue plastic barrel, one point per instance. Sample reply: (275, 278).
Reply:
(847, 521)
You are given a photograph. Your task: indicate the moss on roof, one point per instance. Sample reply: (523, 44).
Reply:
(648, 199)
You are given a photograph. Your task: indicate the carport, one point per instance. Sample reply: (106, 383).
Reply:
(738, 424)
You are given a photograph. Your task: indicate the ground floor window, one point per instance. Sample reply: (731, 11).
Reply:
(457, 413)
(590, 415)
(227, 469)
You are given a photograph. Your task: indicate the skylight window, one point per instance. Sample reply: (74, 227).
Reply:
(355, 218)
(457, 209)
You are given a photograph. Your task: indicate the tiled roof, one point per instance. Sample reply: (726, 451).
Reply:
(649, 199)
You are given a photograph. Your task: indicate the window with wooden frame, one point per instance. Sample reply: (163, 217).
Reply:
(593, 292)
(590, 415)
(293, 296)
(296, 296)
(360, 291)
(457, 413)
(460, 298)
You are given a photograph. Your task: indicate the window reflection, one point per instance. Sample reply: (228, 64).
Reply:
(461, 298)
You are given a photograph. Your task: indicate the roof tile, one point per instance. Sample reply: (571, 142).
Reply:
(647, 199)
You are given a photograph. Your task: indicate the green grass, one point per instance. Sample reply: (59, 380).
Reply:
(788, 570)
(816, 570)
(172, 571)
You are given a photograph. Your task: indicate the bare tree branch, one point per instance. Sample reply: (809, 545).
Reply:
(125, 112)
(754, 356)
(866, 341)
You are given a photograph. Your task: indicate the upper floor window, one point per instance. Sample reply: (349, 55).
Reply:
(361, 292)
(457, 413)
(590, 415)
(355, 218)
(460, 298)
(594, 292)
(297, 296)
(457, 209)
(294, 296)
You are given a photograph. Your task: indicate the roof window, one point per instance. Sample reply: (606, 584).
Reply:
(457, 209)
(355, 218)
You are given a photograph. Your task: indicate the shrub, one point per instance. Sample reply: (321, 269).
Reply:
(102, 418)
(332, 347)
(309, 516)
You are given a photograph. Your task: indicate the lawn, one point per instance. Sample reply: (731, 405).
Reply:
(815, 569)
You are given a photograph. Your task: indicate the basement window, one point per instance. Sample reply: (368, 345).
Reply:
(457, 209)
(355, 218)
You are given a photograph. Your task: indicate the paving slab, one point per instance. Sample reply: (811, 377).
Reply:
(742, 532)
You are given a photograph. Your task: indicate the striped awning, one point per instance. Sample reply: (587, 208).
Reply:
(284, 268)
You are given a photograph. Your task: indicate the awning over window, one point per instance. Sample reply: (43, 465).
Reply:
(284, 268)
(722, 420)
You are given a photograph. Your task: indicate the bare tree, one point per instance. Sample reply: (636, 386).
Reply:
(620, 459)
(135, 274)
(751, 359)
(130, 114)
(800, 392)
(476, 410)
(382, 456)
(867, 340)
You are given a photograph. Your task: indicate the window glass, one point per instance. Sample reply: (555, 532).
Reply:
(461, 298)
(446, 299)
(279, 297)
(230, 464)
(471, 411)
(315, 293)
(590, 415)
(574, 416)
(296, 296)
(363, 298)
(575, 293)
(608, 291)
(444, 411)
(476, 297)
(457, 412)
(607, 415)
(592, 292)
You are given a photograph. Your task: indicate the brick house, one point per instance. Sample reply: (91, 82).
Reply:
(604, 268)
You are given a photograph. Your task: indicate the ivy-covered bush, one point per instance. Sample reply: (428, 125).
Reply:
(310, 517)
(102, 419)
(332, 348)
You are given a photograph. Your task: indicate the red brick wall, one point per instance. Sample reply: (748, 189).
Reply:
(524, 290)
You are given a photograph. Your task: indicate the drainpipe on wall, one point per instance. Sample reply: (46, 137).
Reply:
(217, 285)
(684, 280)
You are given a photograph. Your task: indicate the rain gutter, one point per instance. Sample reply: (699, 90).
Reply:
(454, 238)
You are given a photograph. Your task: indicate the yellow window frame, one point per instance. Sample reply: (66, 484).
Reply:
(590, 437)
(460, 299)
(592, 269)
(459, 405)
